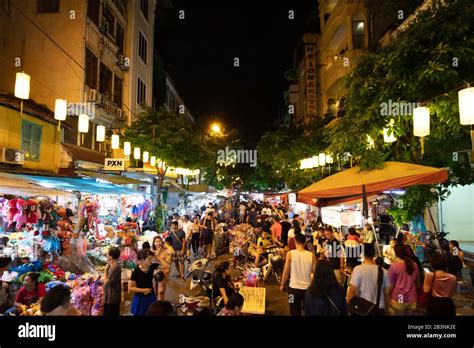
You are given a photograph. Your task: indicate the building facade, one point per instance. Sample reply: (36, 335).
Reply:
(96, 54)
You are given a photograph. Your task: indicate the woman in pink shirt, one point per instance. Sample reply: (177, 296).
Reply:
(403, 276)
(442, 286)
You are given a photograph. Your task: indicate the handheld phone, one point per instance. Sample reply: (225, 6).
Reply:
(426, 269)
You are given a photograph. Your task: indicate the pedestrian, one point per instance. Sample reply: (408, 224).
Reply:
(57, 302)
(221, 283)
(187, 228)
(457, 252)
(441, 286)
(285, 228)
(233, 307)
(276, 231)
(299, 267)
(160, 309)
(242, 212)
(207, 235)
(389, 252)
(141, 283)
(5, 293)
(178, 241)
(164, 257)
(333, 251)
(195, 234)
(325, 296)
(403, 276)
(370, 282)
(112, 284)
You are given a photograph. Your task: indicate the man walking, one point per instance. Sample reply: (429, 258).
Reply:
(299, 266)
(178, 242)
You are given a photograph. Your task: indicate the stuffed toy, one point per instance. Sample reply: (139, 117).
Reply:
(31, 214)
(21, 216)
(47, 216)
(12, 210)
(92, 219)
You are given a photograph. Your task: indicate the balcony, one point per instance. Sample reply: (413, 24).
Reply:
(121, 6)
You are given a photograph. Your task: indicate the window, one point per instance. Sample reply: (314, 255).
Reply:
(119, 38)
(105, 82)
(93, 9)
(358, 34)
(48, 6)
(118, 91)
(142, 47)
(108, 22)
(31, 140)
(141, 93)
(144, 8)
(91, 69)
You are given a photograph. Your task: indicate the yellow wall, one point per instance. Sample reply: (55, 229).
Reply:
(10, 136)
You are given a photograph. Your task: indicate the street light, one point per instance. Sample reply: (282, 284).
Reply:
(60, 111)
(22, 88)
(100, 134)
(115, 142)
(127, 148)
(421, 124)
(216, 128)
(83, 125)
(136, 153)
(146, 156)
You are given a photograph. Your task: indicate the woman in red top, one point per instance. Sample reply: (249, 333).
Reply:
(29, 294)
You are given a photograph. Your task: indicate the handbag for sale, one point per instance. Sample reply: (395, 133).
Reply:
(359, 306)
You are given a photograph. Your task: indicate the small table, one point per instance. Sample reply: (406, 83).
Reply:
(254, 300)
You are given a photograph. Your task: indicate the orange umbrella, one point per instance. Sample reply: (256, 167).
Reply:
(348, 184)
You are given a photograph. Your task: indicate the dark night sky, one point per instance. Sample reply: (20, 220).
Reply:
(201, 51)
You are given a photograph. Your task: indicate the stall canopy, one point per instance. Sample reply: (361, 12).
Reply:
(78, 185)
(114, 179)
(349, 184)
(13, 184)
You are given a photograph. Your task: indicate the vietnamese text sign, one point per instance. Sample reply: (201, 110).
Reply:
(114, 164)
(310, 60)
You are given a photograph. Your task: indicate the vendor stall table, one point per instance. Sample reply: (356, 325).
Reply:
(254, 300)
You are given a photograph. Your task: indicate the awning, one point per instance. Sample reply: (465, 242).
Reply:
(347, 185)
(80, 185)
(82, 154)
(112, 178)
(13, 184)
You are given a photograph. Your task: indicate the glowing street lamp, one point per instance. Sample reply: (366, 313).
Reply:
(115, 142)
(83, 125)
(136, 153)
(146, 156)
(22, 88)
(153, 161)
(216, 128)
(100, 134)
(127, 148)
(421, 124)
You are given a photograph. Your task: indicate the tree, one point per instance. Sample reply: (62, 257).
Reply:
(428, 61)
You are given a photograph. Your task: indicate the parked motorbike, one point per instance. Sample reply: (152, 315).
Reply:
(274, 266)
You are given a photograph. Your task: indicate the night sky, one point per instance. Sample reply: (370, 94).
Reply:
(199, 52)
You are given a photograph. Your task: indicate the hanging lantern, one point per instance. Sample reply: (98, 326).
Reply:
(60, 109)
(115, 142)
(83, 124)
(100, 134)
(146, 156)
(22, 85)
(466, 106)
(421, 121)
(127, 148)
(136, 153)
(388, 138)
(329, 159)
(315, 161)
(322, 159)
(153, 161)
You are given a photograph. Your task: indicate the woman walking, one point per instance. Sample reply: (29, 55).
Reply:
(163, 255)
(141, 283)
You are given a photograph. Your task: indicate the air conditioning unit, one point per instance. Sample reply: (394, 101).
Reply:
(92, 95)
(121, 62)
(119, 114)
(12, 156)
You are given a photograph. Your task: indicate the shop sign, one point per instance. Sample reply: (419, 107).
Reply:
(331, 217)
(310, 60)
(114, 164)
(292, 198)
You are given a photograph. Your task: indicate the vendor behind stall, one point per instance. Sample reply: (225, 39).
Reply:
(4, 286)
(29, 295)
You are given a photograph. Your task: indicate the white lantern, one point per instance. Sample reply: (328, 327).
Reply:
(127, 148)
(22, 85)
(100, 134)
(60, 109)
(388, 138)
(466, 106)
(421, 121)
(322, 159)
(83, 124)
(329, 159)
(146, 156)
(136, 153)
(153, 161)
(115, 142)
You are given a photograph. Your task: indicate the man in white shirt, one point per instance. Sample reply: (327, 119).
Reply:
(389, 252)
(242, 212)
(364, 280)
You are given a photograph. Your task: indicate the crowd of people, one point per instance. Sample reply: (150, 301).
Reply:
(326, 271)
